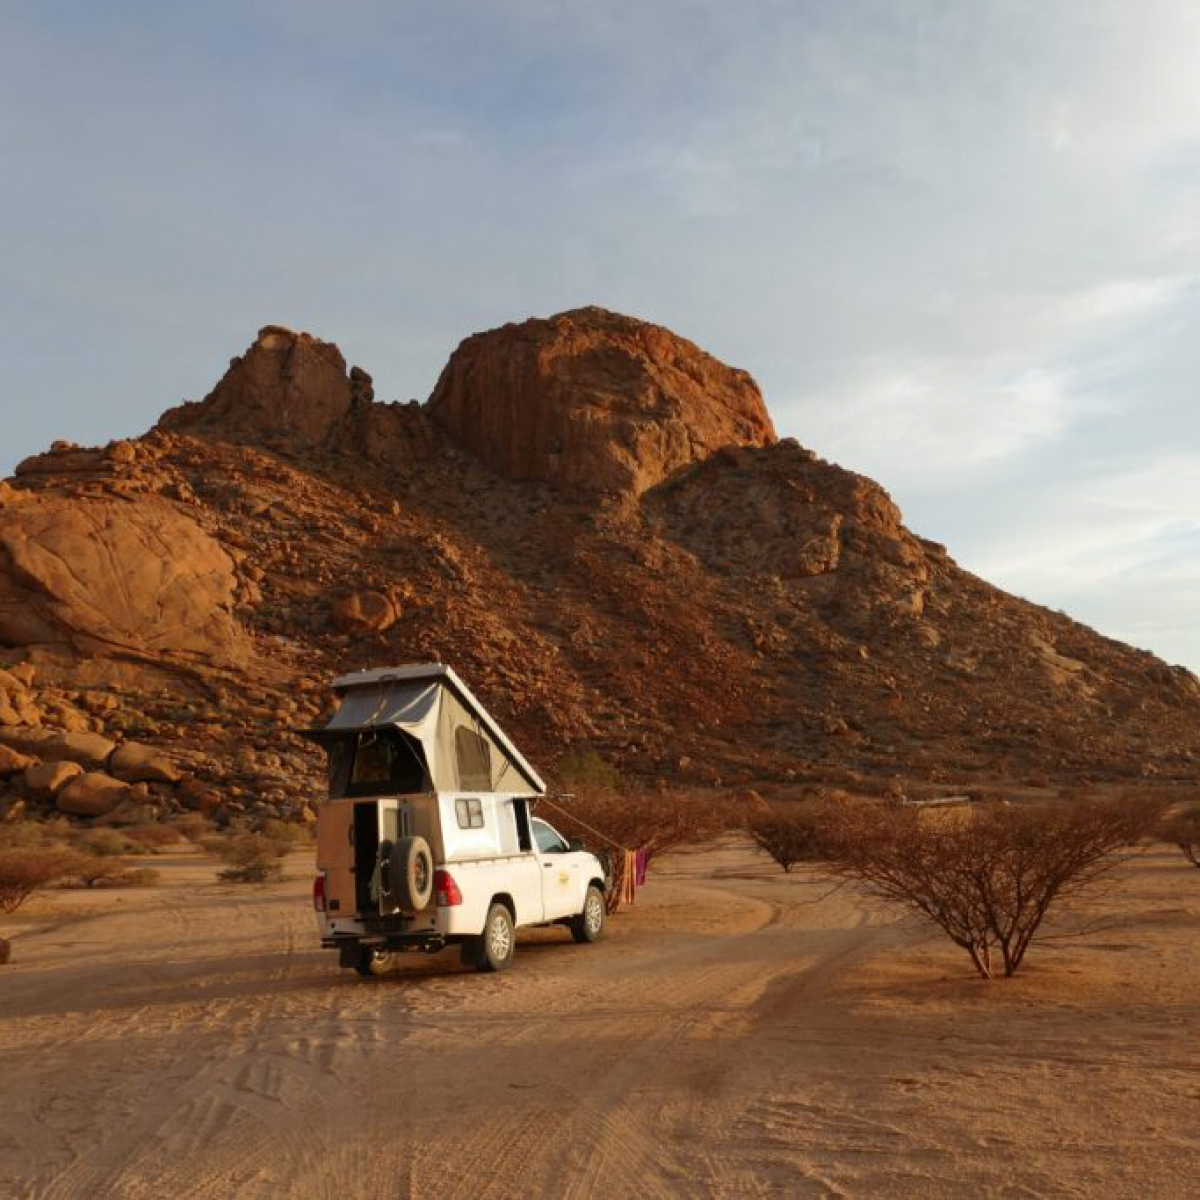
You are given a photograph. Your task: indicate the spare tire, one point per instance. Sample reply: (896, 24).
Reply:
(410, 873)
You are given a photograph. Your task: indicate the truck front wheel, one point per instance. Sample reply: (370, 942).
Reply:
(588, 926)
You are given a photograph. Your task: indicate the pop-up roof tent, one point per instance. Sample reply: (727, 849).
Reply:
(464, 749)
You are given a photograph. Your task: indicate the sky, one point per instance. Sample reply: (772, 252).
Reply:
(957, 244)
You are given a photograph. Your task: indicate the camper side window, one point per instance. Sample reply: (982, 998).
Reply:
(474, 760)
(470, 814)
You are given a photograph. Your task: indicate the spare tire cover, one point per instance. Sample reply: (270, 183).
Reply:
(410, 873)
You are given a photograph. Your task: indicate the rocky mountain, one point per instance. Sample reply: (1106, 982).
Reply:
(595, 523)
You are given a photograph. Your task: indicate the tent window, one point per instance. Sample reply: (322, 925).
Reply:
(386, 762)
(474, 760)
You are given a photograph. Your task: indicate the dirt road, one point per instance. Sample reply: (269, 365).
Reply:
(739, 1033)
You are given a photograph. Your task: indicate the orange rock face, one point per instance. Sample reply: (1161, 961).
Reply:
(593, 401)
(744, 611)
(286, 387)
(91, 573)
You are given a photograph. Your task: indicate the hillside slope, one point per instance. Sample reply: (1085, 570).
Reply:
(594, 522)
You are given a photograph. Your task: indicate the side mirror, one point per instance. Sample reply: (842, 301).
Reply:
(575, 844)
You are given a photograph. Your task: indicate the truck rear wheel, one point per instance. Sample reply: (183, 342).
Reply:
(493, 951)
(374, 962)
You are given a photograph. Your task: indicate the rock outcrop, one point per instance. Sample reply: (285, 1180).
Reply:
(288, 388)
(592, 401)
(92, 572)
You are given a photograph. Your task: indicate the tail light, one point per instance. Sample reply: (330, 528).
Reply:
(448, 895)
(319, 893)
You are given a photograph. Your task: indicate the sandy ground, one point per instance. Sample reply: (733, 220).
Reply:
(739, 1033)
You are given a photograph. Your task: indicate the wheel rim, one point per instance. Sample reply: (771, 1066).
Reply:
(499, 938)
(420, 874)
(593, 913)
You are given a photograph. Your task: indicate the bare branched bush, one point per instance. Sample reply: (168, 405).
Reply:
(607, 820)
(92, 870)
(985, 876)
(790, 834)
(650, 821)
(1183, 830)
(23, 872)
(250, 857)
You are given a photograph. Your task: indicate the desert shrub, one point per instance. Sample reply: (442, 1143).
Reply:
(986, 876)
(250, 857)
(192, 827)
(585, 769)
(140, 877)
(1182, 829)
(151, 837)
(286, 832)
(91, 869)
(104, 843)
(790, 835)
(22, 872)
(17, 835)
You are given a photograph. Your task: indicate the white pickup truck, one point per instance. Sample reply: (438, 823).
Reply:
(428, 838)
(381, 890)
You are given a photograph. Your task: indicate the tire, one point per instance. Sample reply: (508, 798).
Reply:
(374, 962)
(588, 926)
(493, 950)
(409, 874)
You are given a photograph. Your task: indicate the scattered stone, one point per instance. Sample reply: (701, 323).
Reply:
(364, 612)
(28, 739)
(45, 780)
(92, 794)
(89, 750)
(135, 762)
(13, 809)
(13, 762)
(131, 811)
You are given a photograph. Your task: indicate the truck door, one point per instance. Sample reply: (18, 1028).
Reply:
(561, 889)
(335, 856)
(524, 872)
(392, 822)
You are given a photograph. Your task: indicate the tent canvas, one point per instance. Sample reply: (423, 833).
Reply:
(464, 748)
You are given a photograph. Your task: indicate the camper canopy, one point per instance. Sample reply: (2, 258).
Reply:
(464, 749)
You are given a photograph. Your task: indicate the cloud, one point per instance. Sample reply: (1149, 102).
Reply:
(936, 423)
(1117, 548)
(956, 244)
